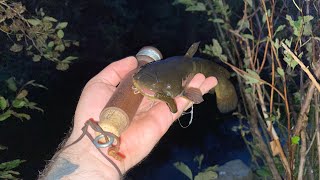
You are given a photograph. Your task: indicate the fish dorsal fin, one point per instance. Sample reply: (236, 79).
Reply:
(192, 50)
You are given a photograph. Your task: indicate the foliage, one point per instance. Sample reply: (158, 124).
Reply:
(6, 169)
(273, 46)
(40, 36)
(16, 105)
(208, 173)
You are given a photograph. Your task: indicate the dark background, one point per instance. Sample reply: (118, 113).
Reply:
(108, 31)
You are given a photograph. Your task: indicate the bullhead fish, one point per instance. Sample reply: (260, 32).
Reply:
(168, 78)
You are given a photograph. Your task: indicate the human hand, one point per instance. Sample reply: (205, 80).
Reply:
(145, 130)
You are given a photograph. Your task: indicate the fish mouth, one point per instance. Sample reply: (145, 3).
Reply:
(140, 88)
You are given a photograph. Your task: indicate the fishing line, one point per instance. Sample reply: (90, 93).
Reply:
(112, 138)
(191, 118)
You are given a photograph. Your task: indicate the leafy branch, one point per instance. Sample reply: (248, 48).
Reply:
(39, 36)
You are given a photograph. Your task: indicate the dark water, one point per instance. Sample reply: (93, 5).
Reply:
(108, 31)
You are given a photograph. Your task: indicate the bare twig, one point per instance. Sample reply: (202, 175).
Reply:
(303, 118)
(312, 141)
(256, 133)
(272, 131)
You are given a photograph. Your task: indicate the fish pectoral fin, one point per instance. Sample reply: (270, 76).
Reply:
(193, 94)
(169, 100)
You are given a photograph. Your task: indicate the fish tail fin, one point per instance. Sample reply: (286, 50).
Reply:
(227, 98)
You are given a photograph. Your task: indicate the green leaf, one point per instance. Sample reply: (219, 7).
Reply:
(184, 169)
(32, 82)
(299, 24)
(69, 59)
(48, 18)
(243, 24)
(295, 139)
(67, 43)
(34, 22)
(184, 2)
(276, 44)
(197, 7)
(248, 90)
(216, 48)
(6, 175)
(307, 31)
(307, 18)
(223, 57)
(263, 172)
(3, 103)
(252, 77)
(289, 60)
(19, 37)
(18, 103)
(212, 168)
(3, 147)
(21, 115)
(36, 58)
(248, 36)
(199, 159)
(60, 48)
(279, 28)
(60, 34)
(50, 44)
(5, 115)
(16, 47)
(76, 43)
(280, 71)
(12, 84)
(11, 164)
(62, 66)
(22, 94)
(206, 175)
(32, 105)
(288, 42)
(249, 2)
(216, 20)
(62, 25)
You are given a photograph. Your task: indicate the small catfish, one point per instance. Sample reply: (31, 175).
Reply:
(168, 78)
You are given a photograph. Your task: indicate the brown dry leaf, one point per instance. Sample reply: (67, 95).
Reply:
(274, 148)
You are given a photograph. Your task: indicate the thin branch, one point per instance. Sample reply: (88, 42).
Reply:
(256, 133)
(272, 131)
(304, 68)
(312, 141)
(302, 155)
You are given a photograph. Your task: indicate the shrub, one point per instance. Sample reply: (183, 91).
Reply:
(273, 47)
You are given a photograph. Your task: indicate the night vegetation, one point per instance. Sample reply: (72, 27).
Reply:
(272, 47)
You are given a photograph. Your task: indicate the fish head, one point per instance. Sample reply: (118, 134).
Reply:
(149, 83)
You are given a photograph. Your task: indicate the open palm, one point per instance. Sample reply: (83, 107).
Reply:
(150, 123)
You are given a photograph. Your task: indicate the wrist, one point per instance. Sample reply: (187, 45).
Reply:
(89, 164)
(81, 161)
